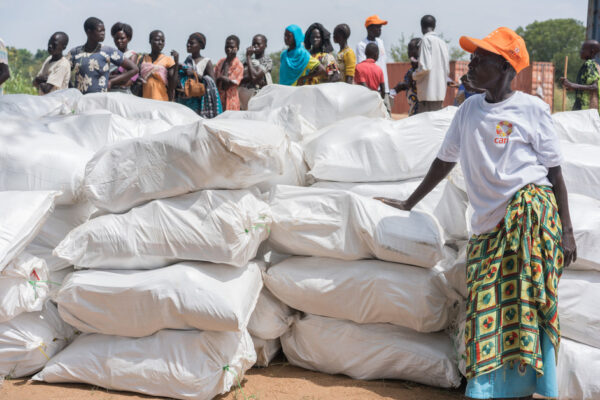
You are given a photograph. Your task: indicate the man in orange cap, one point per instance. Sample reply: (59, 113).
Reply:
(373, 25)
(522, 234)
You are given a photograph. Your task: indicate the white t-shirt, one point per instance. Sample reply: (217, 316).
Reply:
(57, 73)
(501, 147)
(381, 61)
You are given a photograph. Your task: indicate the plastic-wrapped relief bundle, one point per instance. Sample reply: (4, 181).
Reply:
(578, 126)
(340, 224)
(585, 216)
(188, 295)
(174, 364)
(581, 168)
(578, 299)
(216, 154)
(33, 106)
(271, 318)
(29, 340)
(577, 371)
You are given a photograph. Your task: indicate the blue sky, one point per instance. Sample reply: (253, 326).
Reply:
(29, 23)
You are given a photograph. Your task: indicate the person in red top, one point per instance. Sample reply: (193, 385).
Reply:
(368, 73)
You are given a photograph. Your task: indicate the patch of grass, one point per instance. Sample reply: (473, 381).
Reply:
(570, 99)
(19, 83)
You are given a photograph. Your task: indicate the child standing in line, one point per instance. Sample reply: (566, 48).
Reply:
(229, 73)
(56, 70)
(409, 84)
(368, 73)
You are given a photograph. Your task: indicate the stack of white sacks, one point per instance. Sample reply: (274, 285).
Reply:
(161, 228)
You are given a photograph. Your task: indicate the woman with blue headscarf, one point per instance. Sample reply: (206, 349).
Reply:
(297, 65)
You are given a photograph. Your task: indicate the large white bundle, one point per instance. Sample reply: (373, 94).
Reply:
(93, 130)
(266, 350)
(578, 126)
(133, 107)
(175, 364)
(446, 201)
(288, 118)
(363, 149)
(28, 340)
(23, 286)
(322, 104)
(271, 318)
(344, 225)
(32, 106)
(578, 300)
(36, 159)
(205, 296)
(581, 168)
(578, 370)
(220, 226)
(585, 217)
(371, 351)
(223, 154)
(294, 172)
(56, 279)
(22, 215)
(365, 291)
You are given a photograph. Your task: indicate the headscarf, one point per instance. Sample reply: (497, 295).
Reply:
(294, 61)
(326, 46)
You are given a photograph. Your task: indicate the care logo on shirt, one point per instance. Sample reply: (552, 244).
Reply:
(503, 130)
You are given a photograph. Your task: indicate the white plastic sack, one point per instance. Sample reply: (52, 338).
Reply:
(205, 296)
(133, 107)
(344, 225)
(22, 215)
(585, 217)
(24, 286)
(30, 339)
(322, 104)
(223, 154)
(266, 350)
(294, 173)
(174, 364)
(365, 291)
(581, 168)
(56, 279)
(271, 318)
(578, 126)
(36, 159)
(363, 149)
(288, 118)
(578, 299)
(220, 226)
(446, 201)
(577, 371)
(33, 106)
(371, 351)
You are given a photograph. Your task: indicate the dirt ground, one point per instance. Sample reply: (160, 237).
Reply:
(279, 381)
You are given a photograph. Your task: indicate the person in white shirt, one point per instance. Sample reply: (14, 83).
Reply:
(4, 71)
(522, 234)
(373, 25)
(432, 73)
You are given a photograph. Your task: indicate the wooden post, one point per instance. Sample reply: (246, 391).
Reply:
(564, 103)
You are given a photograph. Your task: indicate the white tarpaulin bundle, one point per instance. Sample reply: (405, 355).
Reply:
(344, 225)
(578, 126)
(371, 351)
(33, 158)
(323, 104)
(446, 201)
(133, 107)
(363, 149)
(220, 226)
(578, 300)
(585, 217)
(176, 364)
(28, 340)
(271, 318)
(581, 168)
(22, 215)
(188, 295)
(266, 350)
(222, 154)
(577, 372)
(33, 106)
(23, 286)
(364, 291)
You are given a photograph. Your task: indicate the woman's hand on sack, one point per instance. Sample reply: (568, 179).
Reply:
(569, 247)
(399, 204)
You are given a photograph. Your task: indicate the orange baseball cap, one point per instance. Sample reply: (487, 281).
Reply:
(503, 41)
(375, 20)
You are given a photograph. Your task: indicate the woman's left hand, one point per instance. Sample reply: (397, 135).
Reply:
(569, 247)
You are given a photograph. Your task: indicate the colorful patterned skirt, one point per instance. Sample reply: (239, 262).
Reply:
(512, 280)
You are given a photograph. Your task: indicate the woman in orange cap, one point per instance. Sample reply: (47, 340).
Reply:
(522, 234)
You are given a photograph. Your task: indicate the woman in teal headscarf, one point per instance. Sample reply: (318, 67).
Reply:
(297, 65)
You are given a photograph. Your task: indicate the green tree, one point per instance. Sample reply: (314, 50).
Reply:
(24, 66)
(554, 39)
(276, 58)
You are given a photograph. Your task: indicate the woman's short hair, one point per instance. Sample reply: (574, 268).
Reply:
(122, 27)
(92, 23)
(235, 39)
